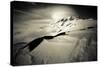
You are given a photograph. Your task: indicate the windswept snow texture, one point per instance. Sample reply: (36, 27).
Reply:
(46, 21)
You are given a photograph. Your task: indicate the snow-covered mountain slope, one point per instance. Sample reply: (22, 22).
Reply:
(79, 43)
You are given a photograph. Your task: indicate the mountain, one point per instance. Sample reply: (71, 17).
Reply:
(75, 40)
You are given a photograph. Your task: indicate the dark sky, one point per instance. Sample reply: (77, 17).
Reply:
(84, 11)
